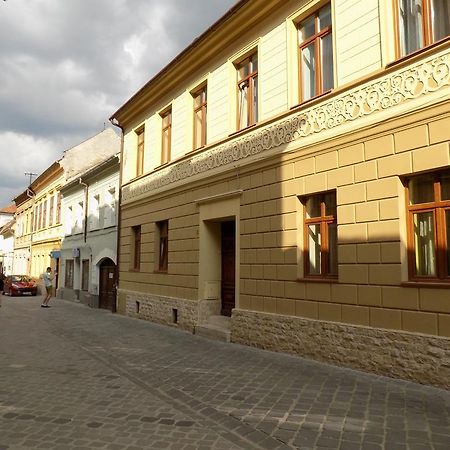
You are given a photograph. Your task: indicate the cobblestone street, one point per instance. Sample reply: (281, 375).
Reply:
(76, 378)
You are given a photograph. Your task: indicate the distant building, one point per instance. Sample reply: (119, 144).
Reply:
(7, 239)
(7, 213)
(290, 169)
(89, 207)
(38, 229)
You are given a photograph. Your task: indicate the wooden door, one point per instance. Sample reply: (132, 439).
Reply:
(228, 267)
(107, 297)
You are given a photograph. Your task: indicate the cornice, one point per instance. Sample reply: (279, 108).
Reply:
(230, 27)
(385, 93)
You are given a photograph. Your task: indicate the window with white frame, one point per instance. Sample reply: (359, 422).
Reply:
(109, 216)
(95, 212)
(69, 220)
(79, 220)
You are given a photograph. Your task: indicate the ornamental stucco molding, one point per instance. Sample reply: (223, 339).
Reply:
(386, 92)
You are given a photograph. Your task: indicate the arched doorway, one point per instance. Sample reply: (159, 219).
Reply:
(108, 285)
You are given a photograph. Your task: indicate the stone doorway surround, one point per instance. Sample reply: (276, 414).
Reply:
(212, 212)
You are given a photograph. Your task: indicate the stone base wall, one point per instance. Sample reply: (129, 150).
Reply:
(158, 309)
(416, 357)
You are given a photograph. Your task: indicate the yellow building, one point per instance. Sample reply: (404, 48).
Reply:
(290, 169)
(38, 224)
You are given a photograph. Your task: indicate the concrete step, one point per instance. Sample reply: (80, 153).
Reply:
(217, 328)
(220, 321)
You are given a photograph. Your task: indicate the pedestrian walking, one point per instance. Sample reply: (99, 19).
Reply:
(48, 282)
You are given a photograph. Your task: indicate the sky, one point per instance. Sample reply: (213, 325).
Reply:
(67, 65)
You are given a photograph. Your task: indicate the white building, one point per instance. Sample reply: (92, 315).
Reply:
(7, 247)
(89, 217)
(7, 239)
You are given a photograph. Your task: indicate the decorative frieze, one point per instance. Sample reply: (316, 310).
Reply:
(386, 92)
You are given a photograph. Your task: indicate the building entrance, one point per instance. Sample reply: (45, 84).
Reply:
(108, 283)
(228, 279)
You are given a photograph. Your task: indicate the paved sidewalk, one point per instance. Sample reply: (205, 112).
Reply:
(77, 378)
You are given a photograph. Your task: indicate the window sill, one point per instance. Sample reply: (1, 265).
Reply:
(313, 100)
(407, 59)
(162, 165)
(161, 271)
(242, 130)
(319, 280)
(134, 270)
(427, 284)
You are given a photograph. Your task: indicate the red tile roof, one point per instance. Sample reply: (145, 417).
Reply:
(10, 209)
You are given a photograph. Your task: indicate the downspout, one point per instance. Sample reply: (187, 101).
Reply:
(119, 213)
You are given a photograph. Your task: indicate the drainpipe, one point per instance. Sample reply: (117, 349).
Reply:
(116, 123)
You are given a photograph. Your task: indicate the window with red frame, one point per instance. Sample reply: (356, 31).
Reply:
(163, 258)
(420, 23)
(316, 54)
(320, 235)
(166, 136)
(136, 249)
(140, 152)
(428, 205)
(200, 109)
(247, 84)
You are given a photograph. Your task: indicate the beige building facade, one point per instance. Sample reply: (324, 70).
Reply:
(38, 229)
(291, 170)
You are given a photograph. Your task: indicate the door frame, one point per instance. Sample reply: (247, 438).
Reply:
(105, 264)
(212, 211)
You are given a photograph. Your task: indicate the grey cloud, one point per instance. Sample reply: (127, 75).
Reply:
(66, 66)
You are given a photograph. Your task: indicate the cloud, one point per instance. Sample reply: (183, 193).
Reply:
(22, 153)
(68, 65)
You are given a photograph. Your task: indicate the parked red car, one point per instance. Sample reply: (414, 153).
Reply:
(19, 285)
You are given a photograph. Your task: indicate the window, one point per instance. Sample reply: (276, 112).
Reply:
(68, 282)
(40, 217)
(316, 54)
(163, 242)
(428, 199)
(247, 84)
(95, 212)
(79, 221)
(44, 214)
(200, 100)
(58, 208)
(85, 275)
(109, 216)
(69, 218)
(420, 23)
(35, 218)
(50, 217)
(136, 247)
(140, 152)
(320, 235)
(166, 136)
